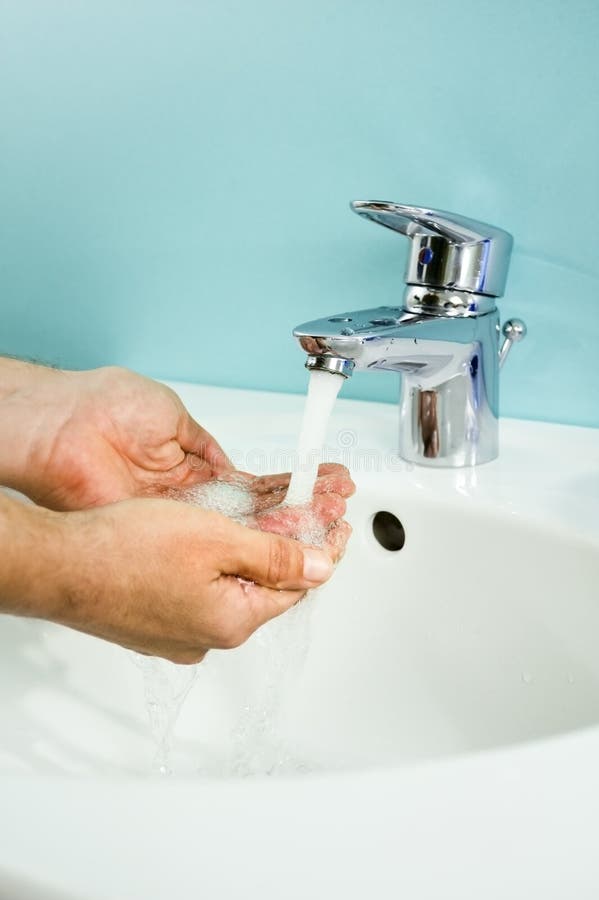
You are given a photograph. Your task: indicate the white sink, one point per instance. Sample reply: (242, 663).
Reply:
(429, 673)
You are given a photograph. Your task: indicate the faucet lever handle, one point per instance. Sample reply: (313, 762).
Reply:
(514, 330)
(448, 250)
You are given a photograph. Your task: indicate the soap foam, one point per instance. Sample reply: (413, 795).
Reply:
(231, 497)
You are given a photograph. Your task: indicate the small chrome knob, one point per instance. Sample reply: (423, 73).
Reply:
(514, 331)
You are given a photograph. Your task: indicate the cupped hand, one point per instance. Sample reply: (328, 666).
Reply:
(168, 579)
(270, 490)
(110, 434)
(260, 502)
(318, 522)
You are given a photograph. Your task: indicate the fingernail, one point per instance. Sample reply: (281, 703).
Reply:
(317, 566)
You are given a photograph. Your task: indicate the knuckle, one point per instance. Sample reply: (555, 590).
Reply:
(279, 561)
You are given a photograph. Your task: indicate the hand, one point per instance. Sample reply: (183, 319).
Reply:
(91, 438)
(259, 502)
(325, 511)
(153, 575)
(270, 490)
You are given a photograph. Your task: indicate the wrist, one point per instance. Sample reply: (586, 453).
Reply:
(32, 540)
(17, 375)
(52, 566)
(34, 401)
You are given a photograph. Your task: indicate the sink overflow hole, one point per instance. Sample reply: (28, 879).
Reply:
(388, 530)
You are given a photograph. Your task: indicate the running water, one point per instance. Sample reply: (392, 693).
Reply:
(166, 686)
(322, 393)
(284, 642)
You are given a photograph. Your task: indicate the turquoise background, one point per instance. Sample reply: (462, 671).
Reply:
(175, 178)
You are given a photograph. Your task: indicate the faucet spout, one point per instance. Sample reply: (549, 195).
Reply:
(388, 338)
(336, 365)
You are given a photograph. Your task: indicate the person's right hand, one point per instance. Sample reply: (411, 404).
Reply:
(163, 577)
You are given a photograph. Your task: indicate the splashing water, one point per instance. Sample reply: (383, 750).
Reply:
(322, 393)
(283, 642)
(166, 686)
(258, 747)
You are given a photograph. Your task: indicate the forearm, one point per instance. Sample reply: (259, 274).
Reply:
(16, 374)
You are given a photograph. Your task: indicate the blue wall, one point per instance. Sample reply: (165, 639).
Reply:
(175, 172)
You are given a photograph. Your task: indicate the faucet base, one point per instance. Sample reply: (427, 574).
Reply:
(452, 424)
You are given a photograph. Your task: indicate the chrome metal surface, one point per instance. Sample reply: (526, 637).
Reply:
(448, 405)
(446, 302)
(514, 331)
(444, 339)
(448, 250)
(333, 364)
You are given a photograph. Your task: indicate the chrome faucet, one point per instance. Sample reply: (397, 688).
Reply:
(444, 339)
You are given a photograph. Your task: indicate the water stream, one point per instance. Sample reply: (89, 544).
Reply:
(322, 393)
(257, 747)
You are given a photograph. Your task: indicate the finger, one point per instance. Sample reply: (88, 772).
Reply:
(196, 440)
(336, 540)
(273, 560)
(266, 484)
(335, 483)
(334, 478)
(243, 607)
(246, 606)
(264, 502)
(188, 474)
(331, 468)
(300, 521)
(280, 481)
(270, 490)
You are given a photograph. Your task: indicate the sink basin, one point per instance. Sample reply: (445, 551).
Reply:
(474, 645)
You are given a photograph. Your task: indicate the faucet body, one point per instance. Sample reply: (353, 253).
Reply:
(448, 404)
(443, 340)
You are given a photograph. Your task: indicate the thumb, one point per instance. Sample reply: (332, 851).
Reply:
(195, 439)
(275, 561)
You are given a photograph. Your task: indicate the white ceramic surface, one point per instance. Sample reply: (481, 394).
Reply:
(440, 737)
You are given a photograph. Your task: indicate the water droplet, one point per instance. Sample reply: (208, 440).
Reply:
(527, 678)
